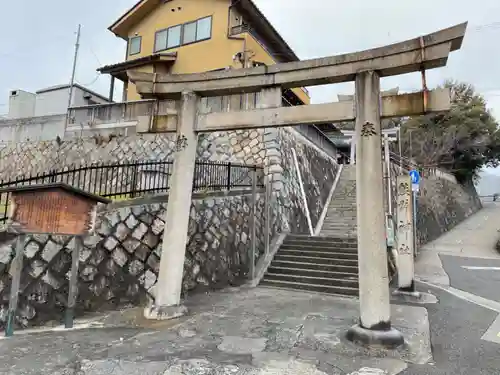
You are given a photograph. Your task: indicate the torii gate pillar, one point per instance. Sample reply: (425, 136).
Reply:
(375, 316)
(168, 294)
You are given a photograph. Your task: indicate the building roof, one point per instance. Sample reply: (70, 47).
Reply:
(247, 7)
(257, 19)
(66, 86)
(119, 70)
(58, 185)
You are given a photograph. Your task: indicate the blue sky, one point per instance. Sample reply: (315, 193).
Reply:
(38, 39)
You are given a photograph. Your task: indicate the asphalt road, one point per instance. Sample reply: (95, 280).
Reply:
(457, 325)
(484, 283)
(456, 330)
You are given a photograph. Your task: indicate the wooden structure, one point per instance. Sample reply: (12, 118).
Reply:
(53, 209)
(58, 209)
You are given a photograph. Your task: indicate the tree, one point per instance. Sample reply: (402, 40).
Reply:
(462, 140)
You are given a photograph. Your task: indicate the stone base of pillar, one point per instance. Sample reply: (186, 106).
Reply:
(388, 339)
(165, 312)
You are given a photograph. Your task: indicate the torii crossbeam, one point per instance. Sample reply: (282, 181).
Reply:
(365, 68)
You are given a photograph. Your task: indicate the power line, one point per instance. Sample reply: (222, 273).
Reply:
(91, 82)
(95, 55)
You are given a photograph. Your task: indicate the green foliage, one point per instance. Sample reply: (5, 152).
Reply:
(462, 140)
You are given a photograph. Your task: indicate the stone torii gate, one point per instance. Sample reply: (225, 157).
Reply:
(365, 68)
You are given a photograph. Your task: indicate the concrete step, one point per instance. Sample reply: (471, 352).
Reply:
(316, 239)
(336, 210)
(321, 246)
(339, 232)
(337, 290)
(322, 281)
(313, 253)
(309, 265)
(352, 228)
(339, 223)
(347, 273)
(342, 229)
(350, 235)
(318, 260)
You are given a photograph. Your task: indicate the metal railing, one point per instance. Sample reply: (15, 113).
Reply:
(121, 181)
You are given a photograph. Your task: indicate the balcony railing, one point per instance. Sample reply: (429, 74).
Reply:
(126, 112)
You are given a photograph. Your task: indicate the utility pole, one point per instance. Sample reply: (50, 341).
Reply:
(72, 82)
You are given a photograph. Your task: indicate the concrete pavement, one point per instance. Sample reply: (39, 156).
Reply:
(245, 331)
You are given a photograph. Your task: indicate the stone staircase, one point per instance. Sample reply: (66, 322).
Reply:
(319, 264)
(341, 216)
(327, 263)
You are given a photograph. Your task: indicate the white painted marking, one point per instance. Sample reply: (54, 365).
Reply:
(494, 328)
(482, 268)
(469, 297)
(492, 334)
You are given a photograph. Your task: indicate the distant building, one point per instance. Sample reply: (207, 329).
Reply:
(50, 101)
(41, 116)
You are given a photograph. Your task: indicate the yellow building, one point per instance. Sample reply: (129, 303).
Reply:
(192, 36)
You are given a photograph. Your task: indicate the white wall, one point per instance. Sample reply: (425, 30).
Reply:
(21, 104)
(45, 128)
(51, 102)
(56, 101)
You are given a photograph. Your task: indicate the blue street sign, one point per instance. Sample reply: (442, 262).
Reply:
(415, 177)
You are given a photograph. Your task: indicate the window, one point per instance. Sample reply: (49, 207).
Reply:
(189, 35)
(204, 29)
(191, 32)
(161, 40)
(134, 45)
(174, 36)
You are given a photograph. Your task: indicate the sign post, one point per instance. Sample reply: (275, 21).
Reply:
(48, 209)
(415, 188)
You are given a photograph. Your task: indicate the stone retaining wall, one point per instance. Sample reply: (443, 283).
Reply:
(441, 205)
(270, 147)
(119, 264)
(317, 170)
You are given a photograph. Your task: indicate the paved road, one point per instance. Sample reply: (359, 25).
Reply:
(465, 335)
(456, 330)
(481, 282)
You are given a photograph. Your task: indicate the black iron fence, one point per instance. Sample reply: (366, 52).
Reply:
(120, 181)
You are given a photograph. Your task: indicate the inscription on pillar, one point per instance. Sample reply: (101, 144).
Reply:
(404, 233)
(181, 142)
(368, 130)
